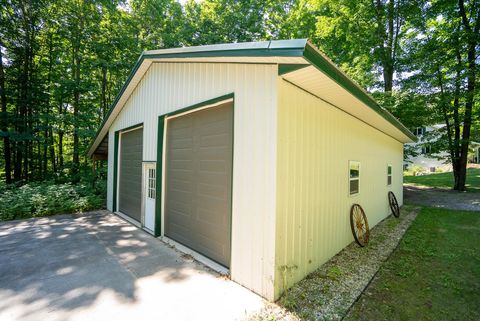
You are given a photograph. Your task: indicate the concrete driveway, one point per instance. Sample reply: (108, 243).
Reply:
(95, 266)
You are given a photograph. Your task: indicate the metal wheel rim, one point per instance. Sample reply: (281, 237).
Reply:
(392, 201)
(359, 225)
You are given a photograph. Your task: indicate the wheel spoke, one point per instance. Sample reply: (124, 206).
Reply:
(392, 201)
(359, 225)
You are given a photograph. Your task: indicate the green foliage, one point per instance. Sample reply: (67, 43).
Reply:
(334, 273)
(48, 198)
(445, 180)
(63, 62)
(413, 170)
(433, 275)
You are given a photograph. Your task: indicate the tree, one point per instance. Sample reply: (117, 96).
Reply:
(443, 47)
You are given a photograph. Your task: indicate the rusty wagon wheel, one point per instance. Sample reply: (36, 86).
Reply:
(359, 225)
(392, 200)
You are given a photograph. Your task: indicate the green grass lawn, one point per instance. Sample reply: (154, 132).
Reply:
(445, 180)
(433, 275)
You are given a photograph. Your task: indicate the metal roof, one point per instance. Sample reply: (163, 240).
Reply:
(290, 55)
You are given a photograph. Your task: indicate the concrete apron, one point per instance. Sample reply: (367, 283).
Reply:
(95, 266)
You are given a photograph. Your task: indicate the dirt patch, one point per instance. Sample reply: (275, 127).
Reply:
(441, 198)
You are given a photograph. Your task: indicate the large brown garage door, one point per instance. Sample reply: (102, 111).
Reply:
(198, 181)
(130, 182)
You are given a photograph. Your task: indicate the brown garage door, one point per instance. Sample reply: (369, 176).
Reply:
(130, 181)
(198, 181)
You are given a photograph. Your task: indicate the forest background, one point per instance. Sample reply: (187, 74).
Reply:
(63, 62)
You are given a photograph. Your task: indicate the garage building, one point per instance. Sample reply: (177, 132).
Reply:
(243, 154)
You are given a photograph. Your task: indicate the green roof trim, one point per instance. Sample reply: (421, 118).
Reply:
(117, 98)
(300, 48)
(328, 68)
(286, 68)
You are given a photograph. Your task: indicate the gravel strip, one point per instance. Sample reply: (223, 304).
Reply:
(329, 292)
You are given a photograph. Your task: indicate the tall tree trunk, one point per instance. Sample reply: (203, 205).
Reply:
(76, 106)
(456, 117)
(388, 67)
(388, 28)
(51, 148)
(48, 144)
(472, 36)
(60, 137)
(103, 96)
(444, 105)
(4, 124)
(60, 149)
(45, 152)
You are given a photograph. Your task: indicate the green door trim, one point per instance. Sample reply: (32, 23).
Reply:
(160, 145)
(115, 172)
(159, 177)
(115, 163)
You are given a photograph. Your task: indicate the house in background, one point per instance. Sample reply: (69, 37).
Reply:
(426, 158)
(429, 160)
(249, 156)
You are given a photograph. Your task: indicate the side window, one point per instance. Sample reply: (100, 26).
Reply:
(151, 183)
(389, 175)
(419, 131)
(427, 149)
(354, 177)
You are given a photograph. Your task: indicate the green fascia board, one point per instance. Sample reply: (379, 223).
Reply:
(233, 49)
(286, 68)
(295, 52)
(329, 69)
(201, 104)
(117, 98)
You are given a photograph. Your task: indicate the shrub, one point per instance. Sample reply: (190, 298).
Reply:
(414, 170)
(37, 199)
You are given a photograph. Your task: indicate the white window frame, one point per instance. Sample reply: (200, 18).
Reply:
(350, 179)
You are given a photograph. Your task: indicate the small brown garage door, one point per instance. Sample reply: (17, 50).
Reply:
(130, 182)
(198, 181)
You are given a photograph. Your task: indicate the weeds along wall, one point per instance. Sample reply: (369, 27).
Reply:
(316, 141)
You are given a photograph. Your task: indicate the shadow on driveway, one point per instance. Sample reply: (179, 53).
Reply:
(97, 266)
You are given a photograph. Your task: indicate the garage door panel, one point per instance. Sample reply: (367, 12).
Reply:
(182, 175)
(218, 166)
(181, 218)
(212, 190)
(183, 143)
(182, 154)
(198, 181)
(213, 140)
(182, 164)
(182, 185)
(213, 153)
(213, 178)
(211, 205)
(209, 216)
(130, 172)
(211, 248)
(179, 196)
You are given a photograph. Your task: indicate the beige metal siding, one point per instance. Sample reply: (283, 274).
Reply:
(167, 87)
(198, 181)
(130, 174)
(315, 143)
